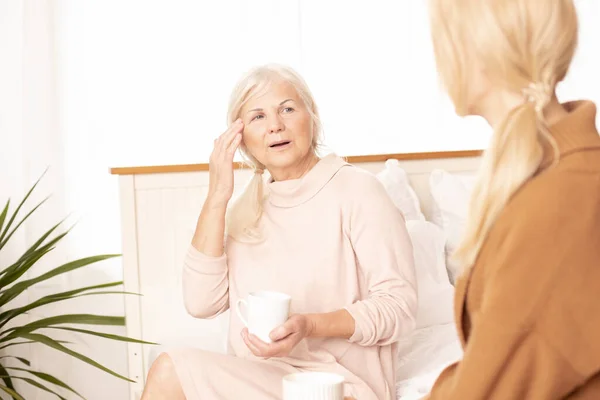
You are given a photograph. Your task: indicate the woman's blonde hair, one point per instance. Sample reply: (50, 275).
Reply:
(246, 211)
(525, 47)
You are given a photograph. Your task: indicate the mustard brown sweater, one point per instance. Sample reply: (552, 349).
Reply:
(528, 312)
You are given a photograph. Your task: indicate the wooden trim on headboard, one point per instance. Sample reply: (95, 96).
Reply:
(166, 169)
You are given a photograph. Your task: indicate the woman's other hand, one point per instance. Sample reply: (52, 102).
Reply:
(285, 337)
(220, 188)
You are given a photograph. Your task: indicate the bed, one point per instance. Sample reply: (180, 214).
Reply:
(159, 207)
(424, 355)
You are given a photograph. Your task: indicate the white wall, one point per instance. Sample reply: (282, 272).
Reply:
(157, 75)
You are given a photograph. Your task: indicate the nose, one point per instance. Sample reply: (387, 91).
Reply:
(277, 125)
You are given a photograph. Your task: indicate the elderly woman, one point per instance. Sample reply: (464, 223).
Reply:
(318, 229)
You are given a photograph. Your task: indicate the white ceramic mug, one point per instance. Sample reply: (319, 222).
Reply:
(265, 311)
(313, 386)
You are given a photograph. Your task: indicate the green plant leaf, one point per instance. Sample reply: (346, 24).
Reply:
(84, 289)
(30, 253)
(3, 215)
(23, 360)
(107, 292)
(5, 240)
(13, 284)
(38, 385)
(104, 335)
(20, 287)
(6, 378)
(10, 391)
(7, 315)
(14, 344)
(88, 319)
(48, 378)
(42, 239)
(29, 342)
(14, 273)
(12, 219)
(24, 263)
(52, 343)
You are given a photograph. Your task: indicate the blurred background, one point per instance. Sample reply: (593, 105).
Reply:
(86, 85)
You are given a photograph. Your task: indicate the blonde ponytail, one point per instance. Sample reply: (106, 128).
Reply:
(513, 157)
(520, 47)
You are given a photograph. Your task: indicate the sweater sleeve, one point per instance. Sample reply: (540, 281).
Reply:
(205, 284)
(384, 254)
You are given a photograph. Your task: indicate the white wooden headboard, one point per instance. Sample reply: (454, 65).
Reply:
(159, 208)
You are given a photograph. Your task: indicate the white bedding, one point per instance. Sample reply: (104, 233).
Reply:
(424, 355)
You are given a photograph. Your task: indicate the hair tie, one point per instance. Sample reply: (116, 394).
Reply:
(259, 171)
(538, 94)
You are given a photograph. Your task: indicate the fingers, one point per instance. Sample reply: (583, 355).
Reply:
(250, 344)
(262, 349)
(230, 135)
(257, 346)
(235, 143)
(226, 144)
(235, 127)
(281, 332)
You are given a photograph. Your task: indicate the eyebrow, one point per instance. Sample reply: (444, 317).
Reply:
(260, 109)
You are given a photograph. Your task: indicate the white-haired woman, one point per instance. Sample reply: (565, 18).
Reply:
(527, 306)
(320, 230)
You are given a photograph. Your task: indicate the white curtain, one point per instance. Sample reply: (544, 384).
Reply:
(88, 84)
(34, 137)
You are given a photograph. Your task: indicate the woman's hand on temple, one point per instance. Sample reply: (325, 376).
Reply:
(285, 337)
(220, 188)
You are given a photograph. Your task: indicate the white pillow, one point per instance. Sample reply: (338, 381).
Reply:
(451, 194)
(435, 292)
(395, 181)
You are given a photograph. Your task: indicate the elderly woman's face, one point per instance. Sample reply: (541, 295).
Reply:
(277, 127)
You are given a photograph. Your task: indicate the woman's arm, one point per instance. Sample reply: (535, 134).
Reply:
(210, 228)
(384, 256)
(338, 324)
(205, 281)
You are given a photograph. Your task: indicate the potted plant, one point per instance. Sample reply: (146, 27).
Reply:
(14, 281)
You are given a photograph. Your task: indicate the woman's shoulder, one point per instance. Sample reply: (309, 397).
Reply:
(553, 208)
(358, 189)
(353, 179)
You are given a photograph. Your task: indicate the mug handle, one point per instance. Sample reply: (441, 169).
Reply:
(238, 311)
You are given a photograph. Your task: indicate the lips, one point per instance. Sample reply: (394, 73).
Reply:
(279, 143)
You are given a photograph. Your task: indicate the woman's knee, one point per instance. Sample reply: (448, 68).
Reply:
(163, 370)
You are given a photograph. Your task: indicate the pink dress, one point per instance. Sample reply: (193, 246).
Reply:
(334, 240)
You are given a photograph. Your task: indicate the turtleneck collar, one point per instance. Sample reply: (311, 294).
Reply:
(293, 192)
(576, 131)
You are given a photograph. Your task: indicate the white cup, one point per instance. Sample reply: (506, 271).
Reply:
(265, 311)
(313, 386)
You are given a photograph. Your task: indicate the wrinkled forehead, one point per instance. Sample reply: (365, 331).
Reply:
(278, 88)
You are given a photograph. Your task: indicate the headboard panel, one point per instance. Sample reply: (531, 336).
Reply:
(159, 208)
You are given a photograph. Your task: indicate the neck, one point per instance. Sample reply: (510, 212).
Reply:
(495, 108)
(296, 171)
